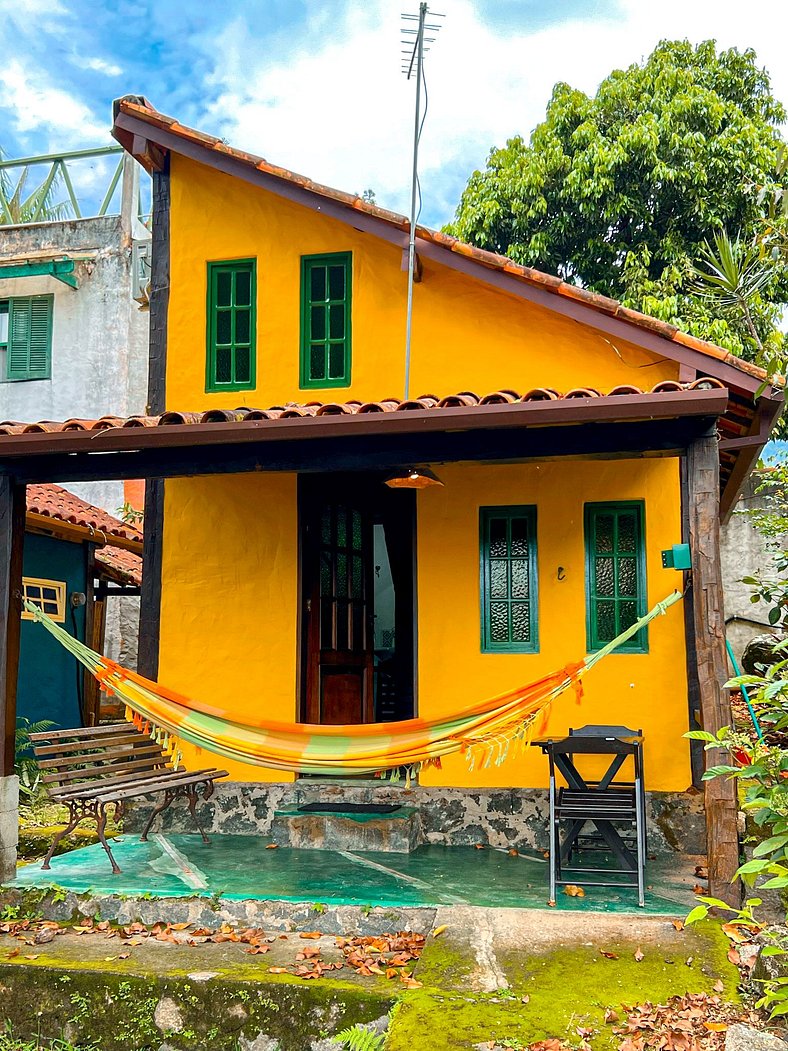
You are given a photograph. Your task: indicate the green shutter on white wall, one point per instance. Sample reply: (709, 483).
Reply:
(29, 338)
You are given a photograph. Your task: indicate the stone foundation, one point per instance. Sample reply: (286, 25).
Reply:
(497, 817)
(9, 826)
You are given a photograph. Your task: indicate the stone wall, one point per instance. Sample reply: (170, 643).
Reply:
(449, 816)
(744, 552)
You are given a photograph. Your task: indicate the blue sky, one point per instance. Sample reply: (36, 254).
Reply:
(315, 86)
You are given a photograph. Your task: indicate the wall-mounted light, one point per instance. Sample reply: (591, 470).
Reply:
(413, 478)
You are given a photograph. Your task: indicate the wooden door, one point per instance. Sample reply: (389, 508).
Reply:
(337, 580)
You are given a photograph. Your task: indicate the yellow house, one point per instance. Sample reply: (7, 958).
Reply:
(575, 440)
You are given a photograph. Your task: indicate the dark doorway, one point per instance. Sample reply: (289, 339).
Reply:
(357, 600)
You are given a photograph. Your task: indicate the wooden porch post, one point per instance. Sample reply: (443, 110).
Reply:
(703, 512)
(12, 531)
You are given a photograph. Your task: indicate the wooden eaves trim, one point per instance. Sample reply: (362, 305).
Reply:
(44, 525)
(769, 412)
(620, 408)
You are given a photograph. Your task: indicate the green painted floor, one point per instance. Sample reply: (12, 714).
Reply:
(240, 867)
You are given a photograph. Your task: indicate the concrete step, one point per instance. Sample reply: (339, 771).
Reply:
(348, 826)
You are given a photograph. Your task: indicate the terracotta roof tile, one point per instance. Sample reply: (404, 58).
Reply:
(53, 501)
(141, 109)
(124, 567)
(67, 503)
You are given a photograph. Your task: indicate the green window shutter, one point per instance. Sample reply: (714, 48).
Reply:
(29, 354)
(615, 574)
(508, 579)
(231, 325)
(326, 292)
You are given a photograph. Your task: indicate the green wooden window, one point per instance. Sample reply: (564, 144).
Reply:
(615, 573)
(508, 579)
(232, 295)
(326, 285)
(26, 337)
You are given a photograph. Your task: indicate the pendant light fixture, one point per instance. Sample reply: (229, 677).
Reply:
(413, 478)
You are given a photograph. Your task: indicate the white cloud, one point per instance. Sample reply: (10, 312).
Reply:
(35, 103)
(332, 103)
(100, 65)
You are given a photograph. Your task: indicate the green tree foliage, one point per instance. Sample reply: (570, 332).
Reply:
(623, 192)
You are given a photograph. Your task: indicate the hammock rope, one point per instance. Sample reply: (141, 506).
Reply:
(487, 733)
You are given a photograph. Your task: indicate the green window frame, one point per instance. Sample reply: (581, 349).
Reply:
(26, 337)
(615, 573)
(326, 301)
(231, 325)
(508, 579)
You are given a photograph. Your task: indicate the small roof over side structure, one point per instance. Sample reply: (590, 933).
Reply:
(56, 512)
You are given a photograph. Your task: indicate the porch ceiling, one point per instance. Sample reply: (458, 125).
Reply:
(498, 428)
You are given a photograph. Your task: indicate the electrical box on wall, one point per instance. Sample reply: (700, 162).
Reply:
(677, 557)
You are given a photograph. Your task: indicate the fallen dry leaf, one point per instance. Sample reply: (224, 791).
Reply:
(638, 954)
(611, 1015)
(271, 846)
(278, 970)
(574, 891)
(439, 930)
(678, 924)
(310, 934)
(608, 955)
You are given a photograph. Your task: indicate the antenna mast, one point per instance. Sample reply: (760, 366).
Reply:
(413, 65)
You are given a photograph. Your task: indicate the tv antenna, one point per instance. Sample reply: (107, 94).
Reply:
(415, 45)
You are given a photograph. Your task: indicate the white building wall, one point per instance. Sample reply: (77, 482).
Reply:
(99, 333)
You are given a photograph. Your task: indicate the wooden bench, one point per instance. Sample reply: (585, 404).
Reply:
(93, 768)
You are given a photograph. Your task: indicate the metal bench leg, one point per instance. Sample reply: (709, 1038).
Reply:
(101, 824)
(191, 795)
(74, 819)
(160, 808)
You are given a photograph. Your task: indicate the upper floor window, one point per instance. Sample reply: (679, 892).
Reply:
(508, 579)
(26, 337)
(232, 296)
(326, 282)
(615, 573)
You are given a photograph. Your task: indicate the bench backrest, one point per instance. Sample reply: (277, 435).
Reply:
(71, 760)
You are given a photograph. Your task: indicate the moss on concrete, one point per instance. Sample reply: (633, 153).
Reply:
(129, 1012)
(552, 993)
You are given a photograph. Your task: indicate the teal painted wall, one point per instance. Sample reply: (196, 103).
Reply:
(47, 687)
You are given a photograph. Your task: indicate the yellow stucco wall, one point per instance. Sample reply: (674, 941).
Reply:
(638, 690)
(229, 598)
(230, 604)
(466, 335)
(229, 574)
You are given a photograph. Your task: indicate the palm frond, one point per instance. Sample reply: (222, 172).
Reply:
(731, 271)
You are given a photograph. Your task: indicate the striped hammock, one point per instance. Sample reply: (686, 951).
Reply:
(485, 732)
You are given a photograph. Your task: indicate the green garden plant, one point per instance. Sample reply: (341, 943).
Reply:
(25, 766)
